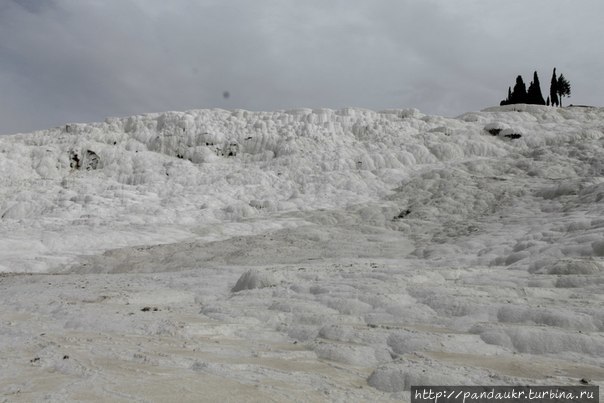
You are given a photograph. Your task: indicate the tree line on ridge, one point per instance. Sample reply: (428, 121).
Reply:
(559, 88)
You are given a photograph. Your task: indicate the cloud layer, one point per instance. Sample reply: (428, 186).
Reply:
(73, 60)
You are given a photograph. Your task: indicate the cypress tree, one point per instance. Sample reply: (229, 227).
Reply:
(534, 95)
(547, 101)
(519, 93)
(507, 100)
(530, 93)
(553, 89)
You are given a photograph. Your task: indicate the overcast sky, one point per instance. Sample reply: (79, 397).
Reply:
(83, 60)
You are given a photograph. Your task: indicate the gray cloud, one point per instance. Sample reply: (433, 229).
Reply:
(73, 60)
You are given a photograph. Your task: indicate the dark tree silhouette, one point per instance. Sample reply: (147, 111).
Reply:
(553, 89)
(562, 87)
(519, 93)
(507, 101)
(547, 101)
(534, 95)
